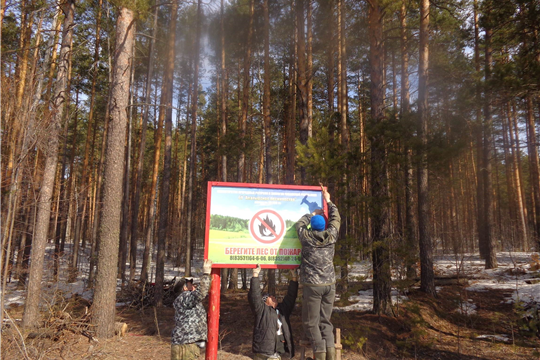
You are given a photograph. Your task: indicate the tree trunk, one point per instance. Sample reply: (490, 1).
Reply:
(31, 316)
(479, 141)
(426, 246)
(103, 308)
(301, 80)
(266, 96)
(245, 96)
(225, 272)
(343, 76)
(516, 172)
(124, 230)
(148, 248)
(83, 205)
(382, 302)
(533, 164)
(310, 67)
(290, 126)
(513, 211)
(224, 93)
(142, 146)
(166, 110)
(491, 256)
(409, 233)
(193, 152)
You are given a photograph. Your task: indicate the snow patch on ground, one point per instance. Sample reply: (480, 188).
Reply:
(512, 274)
(501, 338)
(363, 301)
(467, 308)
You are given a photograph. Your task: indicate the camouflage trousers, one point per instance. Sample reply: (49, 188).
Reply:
(185, 352)
(264, 357)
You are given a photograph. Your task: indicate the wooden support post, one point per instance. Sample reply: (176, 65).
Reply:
(304, 344)
(338, 344)
(213, 316)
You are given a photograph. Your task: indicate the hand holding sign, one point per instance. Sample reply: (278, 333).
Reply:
(318, 212)
(257, 270)
(325, 193)
(294, 274)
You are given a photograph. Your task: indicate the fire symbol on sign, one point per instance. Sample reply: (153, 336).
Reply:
(267, 226)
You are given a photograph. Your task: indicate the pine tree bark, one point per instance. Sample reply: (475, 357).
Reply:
(427, 281)
(142, 146)
(301, 80)
(343, 76)
(243, 119)
(516, 172)
(193, 151)
(330, 60)
(245, 95)
(409, 232)
(491, 256)
(83, 205)
(166, 110)
(149, 236)
(31, 315)
(103, 307)
(309, 69)
(124, 230)
(533, 165)
(382, 302)
(224, 92)
(225, 272)
(266, 96)
(480, 222)
(290, 127)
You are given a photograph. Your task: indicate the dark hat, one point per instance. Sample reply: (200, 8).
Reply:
(265, 296)
(318, 223)
(189, 279)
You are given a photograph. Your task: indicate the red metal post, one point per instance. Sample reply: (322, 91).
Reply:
(213, 316)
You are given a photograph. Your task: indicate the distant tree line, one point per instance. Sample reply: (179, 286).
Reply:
(228, 223)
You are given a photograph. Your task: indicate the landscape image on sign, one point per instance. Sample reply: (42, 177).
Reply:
(253, 225)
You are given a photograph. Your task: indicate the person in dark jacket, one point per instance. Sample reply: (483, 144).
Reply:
(318, 277)
(190, 332)
(272, 336)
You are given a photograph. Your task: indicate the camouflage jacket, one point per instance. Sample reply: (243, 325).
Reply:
(317, 266)
(190, 315)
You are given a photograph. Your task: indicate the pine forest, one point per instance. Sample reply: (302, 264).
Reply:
(420, 117)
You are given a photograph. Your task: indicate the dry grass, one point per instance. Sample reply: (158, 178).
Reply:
(426, 328)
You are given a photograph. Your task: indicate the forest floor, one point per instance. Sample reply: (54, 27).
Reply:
(477, 316)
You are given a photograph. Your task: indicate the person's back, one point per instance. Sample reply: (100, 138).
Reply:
(318, 277)
(318, 248)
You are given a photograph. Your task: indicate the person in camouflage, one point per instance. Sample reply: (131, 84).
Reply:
(318, 277)
(190, 332)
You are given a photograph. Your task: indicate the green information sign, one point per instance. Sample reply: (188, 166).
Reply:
(249, 224)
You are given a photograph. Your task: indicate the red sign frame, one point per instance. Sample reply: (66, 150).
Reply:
(257, 186)
(215, 288)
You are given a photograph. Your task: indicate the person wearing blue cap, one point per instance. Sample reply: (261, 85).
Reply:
(318, 277)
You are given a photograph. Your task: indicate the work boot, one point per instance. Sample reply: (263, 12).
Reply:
(331, 353)
(320, 356)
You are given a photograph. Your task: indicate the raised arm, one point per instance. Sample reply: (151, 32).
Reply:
(287, 305)
(190, 299)
(254, 294)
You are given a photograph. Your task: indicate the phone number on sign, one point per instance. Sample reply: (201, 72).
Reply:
(264, 258)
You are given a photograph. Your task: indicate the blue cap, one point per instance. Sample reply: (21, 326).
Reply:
(318, 223)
